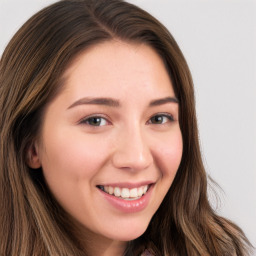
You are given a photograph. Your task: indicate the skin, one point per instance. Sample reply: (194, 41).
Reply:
(126, 145)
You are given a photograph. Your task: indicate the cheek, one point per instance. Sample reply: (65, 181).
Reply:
(168, 155)
(75, 155)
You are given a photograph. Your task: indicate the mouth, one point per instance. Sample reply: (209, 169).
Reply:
(125, 193)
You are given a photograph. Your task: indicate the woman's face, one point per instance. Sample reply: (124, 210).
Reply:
(110, 143)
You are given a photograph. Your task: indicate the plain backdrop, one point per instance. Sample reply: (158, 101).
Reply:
(218, 39)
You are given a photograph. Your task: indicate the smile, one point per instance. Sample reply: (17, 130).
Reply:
(125, 193)
(127, 197)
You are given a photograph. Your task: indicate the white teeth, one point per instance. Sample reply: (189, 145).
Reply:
(133, 192)
(125, 193)
(128, 194)
(145, 189)
(117, 191)
(140, 191)
(110, 190)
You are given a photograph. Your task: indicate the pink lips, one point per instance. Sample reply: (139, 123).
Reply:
(129, 206)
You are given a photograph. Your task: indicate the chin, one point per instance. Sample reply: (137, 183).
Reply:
(130, 233)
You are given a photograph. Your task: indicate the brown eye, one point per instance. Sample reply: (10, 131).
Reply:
(160, 119)
(95, 121)
(157, 119)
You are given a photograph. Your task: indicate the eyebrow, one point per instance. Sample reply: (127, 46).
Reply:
(115, 103)
(159, 102)
(96, 101)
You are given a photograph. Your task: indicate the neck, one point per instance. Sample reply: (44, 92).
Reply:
(106, 248)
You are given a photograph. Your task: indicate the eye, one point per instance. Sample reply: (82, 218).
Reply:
(161, 119)
(95, 121)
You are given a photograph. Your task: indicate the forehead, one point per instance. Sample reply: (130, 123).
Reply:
(114, 66)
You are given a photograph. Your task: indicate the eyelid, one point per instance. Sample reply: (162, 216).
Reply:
(164, 114)
(84, 119)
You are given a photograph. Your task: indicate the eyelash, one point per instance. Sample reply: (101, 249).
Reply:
(163, 115)
(87, 120)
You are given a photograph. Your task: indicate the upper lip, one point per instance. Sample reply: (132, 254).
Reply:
(128, 184)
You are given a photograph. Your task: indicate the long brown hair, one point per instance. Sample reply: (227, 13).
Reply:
(31, 68)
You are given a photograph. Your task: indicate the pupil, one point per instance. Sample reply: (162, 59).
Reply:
(94, 121)
(158, 119)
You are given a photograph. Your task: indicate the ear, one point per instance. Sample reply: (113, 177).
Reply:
(32, 157)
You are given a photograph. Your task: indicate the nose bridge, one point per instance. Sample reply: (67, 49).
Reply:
(132, 149)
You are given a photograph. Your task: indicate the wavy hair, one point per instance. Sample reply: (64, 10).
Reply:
(31, 68)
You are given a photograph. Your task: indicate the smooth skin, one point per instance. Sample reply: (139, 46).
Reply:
(128, 137)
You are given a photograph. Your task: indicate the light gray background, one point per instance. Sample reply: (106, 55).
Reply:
(218, 39)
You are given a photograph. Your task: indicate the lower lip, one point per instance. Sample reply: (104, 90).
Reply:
(129, 206)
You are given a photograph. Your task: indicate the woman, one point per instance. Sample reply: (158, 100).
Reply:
(99, 143)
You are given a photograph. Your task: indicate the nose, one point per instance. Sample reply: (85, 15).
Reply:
(132, 151)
